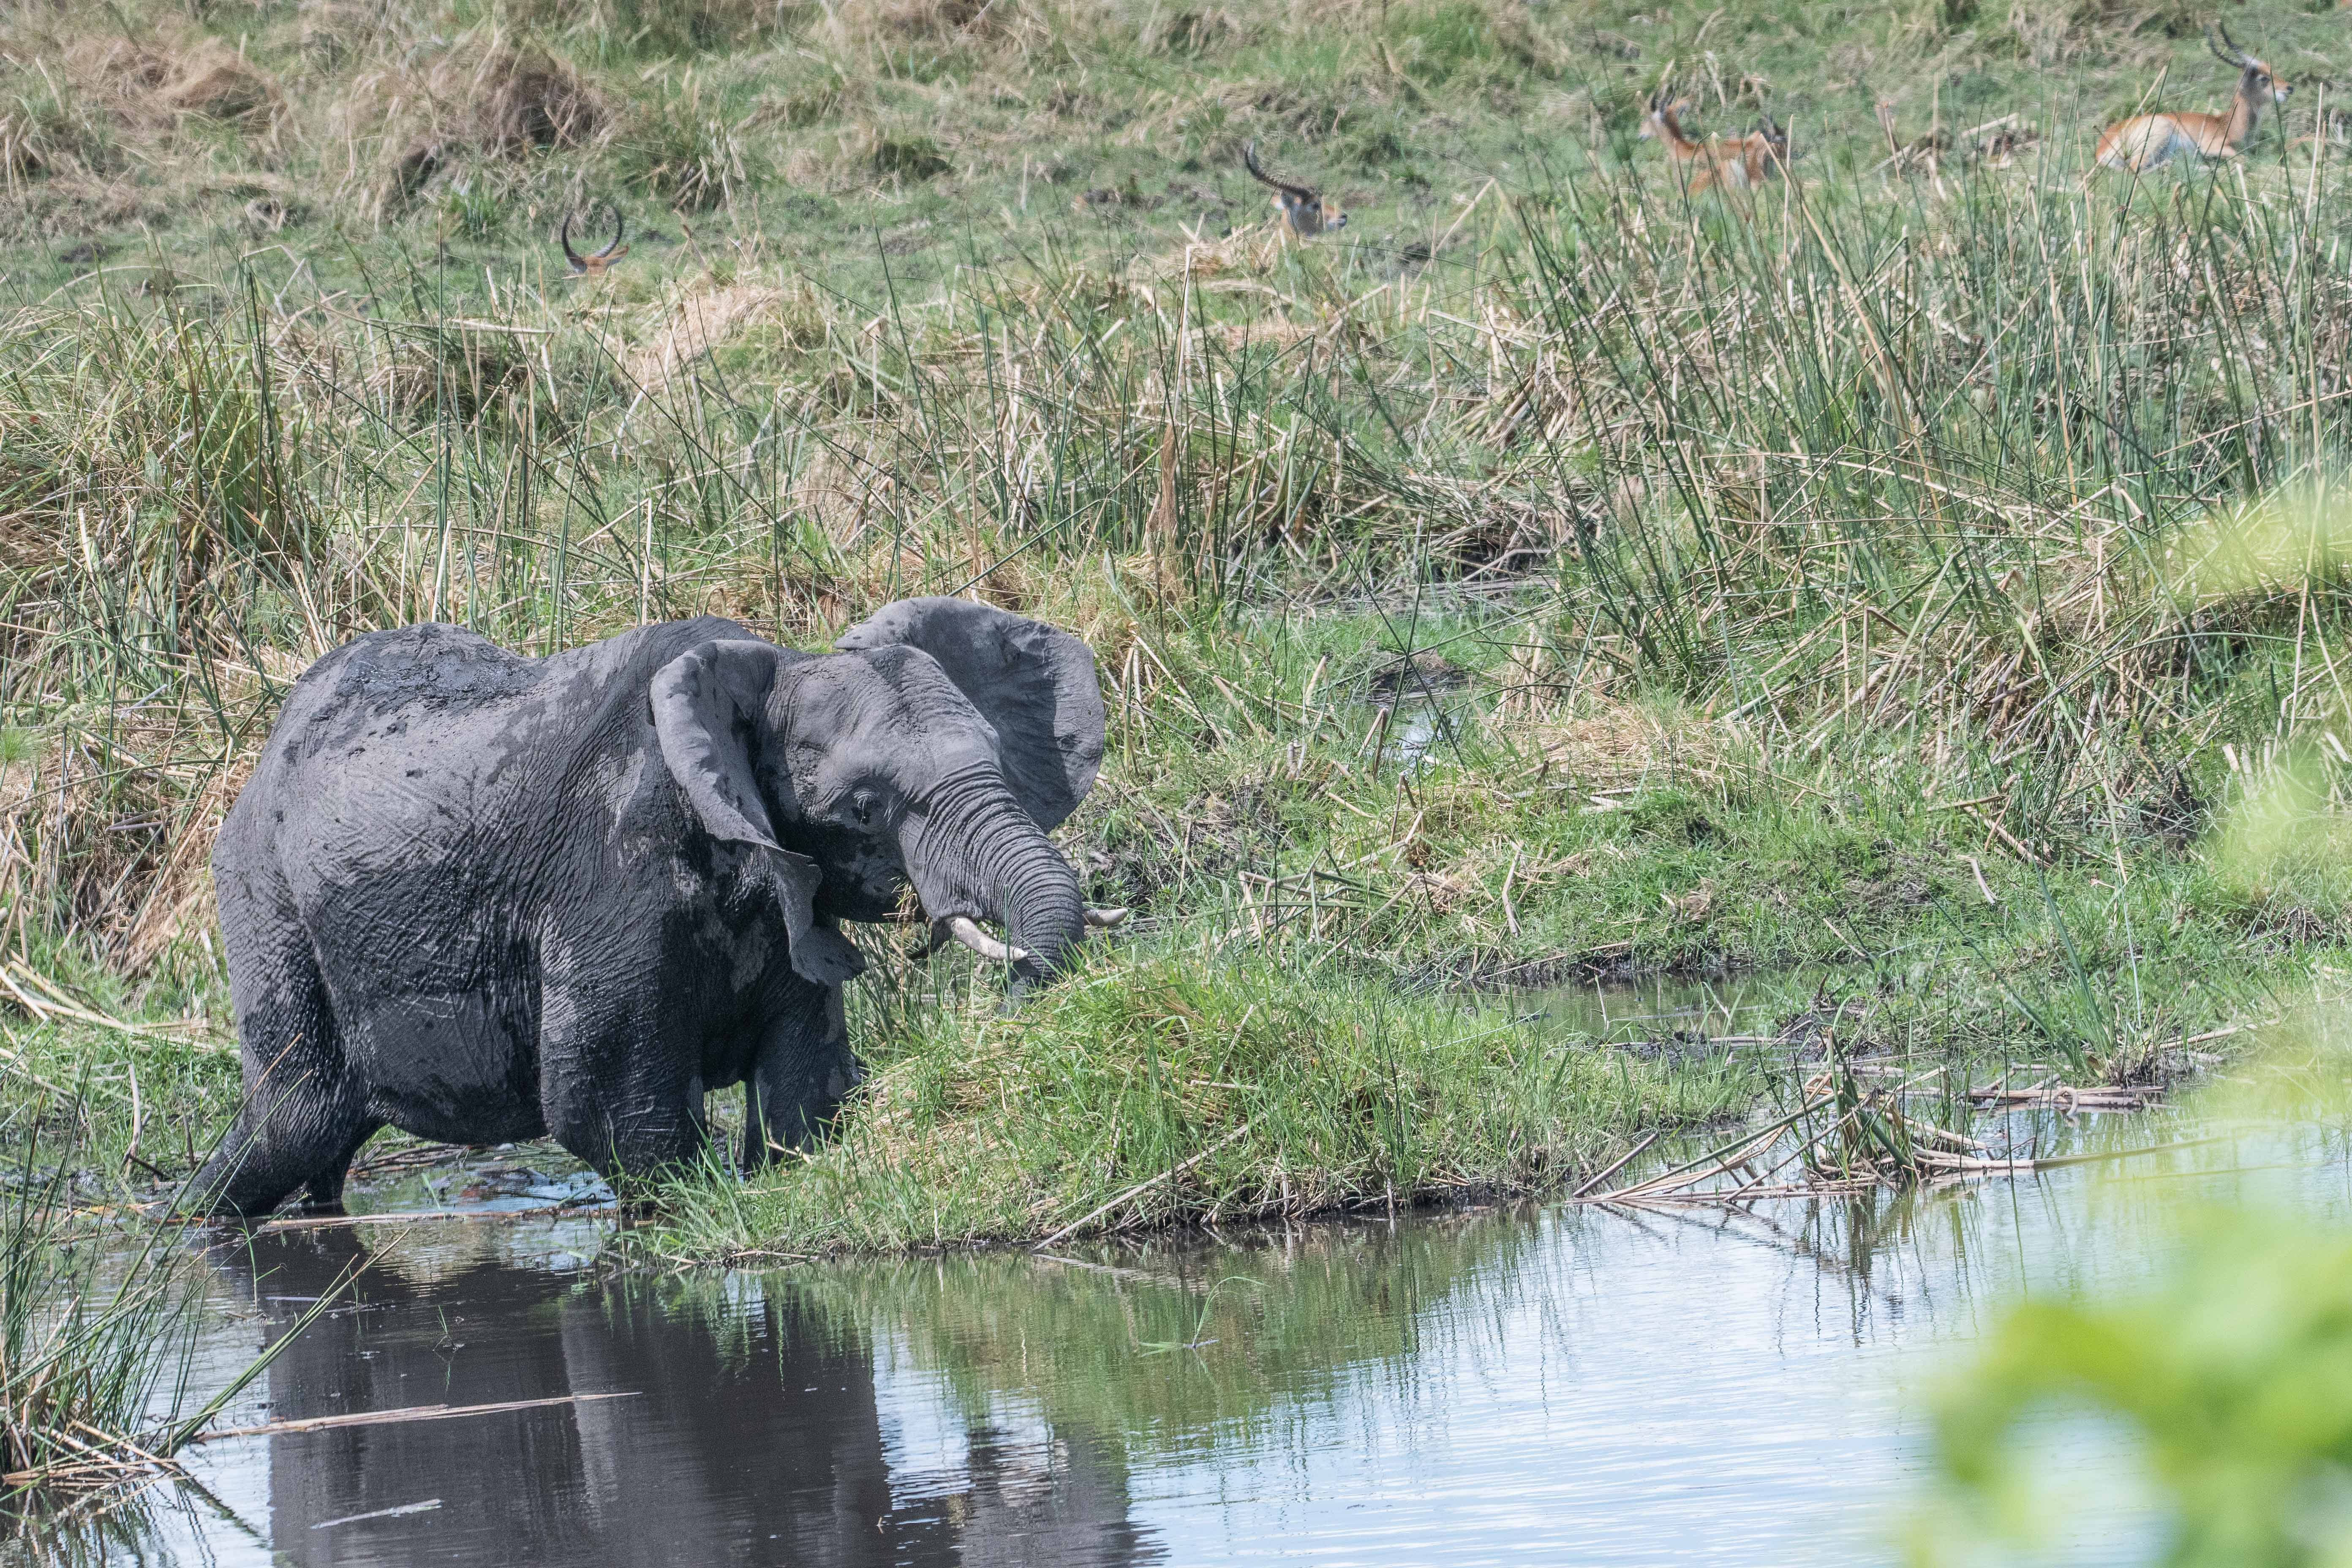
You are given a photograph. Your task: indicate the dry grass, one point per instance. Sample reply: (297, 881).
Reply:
(153, 84)
(710, 315)
(77, 107)
(401, 125)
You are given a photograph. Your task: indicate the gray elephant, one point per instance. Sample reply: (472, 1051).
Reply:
(484, 897)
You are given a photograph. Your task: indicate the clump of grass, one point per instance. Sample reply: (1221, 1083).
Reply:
(908, 157)
(881, 24)
(484, 96)
(689, 150)
(625, 30)
(519, 100)
(75, 112)
(91, 1367)
(154, 80)
(1186, 1085)
(45, 132)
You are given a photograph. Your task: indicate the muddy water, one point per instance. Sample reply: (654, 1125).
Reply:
(1538, 1384)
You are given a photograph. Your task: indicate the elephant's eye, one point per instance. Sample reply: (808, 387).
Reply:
(861, 806)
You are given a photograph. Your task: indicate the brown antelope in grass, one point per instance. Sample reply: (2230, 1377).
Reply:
(1718, 162)
(1304, 212)
(596, 263)
(2148, 141)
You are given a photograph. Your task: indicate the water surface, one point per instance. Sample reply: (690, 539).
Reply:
(1526, 1385)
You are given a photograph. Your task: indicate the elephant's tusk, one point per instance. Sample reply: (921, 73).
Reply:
(1103, 919)
(967, 932)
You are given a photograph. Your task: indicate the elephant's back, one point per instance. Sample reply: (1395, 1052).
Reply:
(430, 746)
(434, 676)
(396, 748)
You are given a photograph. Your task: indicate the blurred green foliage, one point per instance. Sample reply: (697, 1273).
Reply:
(2233, 1372)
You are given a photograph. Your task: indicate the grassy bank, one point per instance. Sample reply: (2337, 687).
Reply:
(1898, 584)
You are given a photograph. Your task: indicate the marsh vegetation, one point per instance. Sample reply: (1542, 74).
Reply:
(1889, 580)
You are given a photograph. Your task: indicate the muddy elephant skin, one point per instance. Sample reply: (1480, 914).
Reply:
(484, 897)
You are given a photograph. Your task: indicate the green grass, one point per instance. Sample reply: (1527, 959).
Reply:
(96, 1332)
(1921, 592)
(1222, 1090)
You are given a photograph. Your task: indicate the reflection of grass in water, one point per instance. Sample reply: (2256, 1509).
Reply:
(1264, 1329)
(83, 1364)
(99, 1314)
(96, 1332)
(1201, 1339)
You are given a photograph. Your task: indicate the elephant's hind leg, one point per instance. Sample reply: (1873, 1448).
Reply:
(305, 1114)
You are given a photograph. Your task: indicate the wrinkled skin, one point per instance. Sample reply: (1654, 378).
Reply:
(483, 898)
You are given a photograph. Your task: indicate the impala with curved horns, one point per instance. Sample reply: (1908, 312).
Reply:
(1304, 211)
(2151, 140)
(595, 263)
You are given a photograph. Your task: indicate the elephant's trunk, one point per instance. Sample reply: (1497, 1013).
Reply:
(975, 852)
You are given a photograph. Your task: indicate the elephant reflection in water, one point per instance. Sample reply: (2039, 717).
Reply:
(751, 1437)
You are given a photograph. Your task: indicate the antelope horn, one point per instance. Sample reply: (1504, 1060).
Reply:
(967, 932)
(1103, 919)
(620, 228)
(2227, 51)
(564, 239)
(1257, 172)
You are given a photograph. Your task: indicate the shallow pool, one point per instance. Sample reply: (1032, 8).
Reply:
(1539, 1384)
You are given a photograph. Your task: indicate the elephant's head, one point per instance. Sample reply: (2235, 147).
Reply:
(936, 749)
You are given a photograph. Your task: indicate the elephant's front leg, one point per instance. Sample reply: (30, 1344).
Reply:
(802, 1071)
(620, 1076)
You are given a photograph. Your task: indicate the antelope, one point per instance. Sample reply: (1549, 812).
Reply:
(1304, 212)
(2151, 140)
(596, 263)
(1733, 165)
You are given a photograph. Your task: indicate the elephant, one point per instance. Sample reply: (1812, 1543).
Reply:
(485, 898)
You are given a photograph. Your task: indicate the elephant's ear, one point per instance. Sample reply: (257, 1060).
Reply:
(708, 707)
(1035, 683)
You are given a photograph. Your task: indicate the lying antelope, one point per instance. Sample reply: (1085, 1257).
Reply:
(596, 263)
(2151, 140)
(1304, 212)
(1722, 161)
